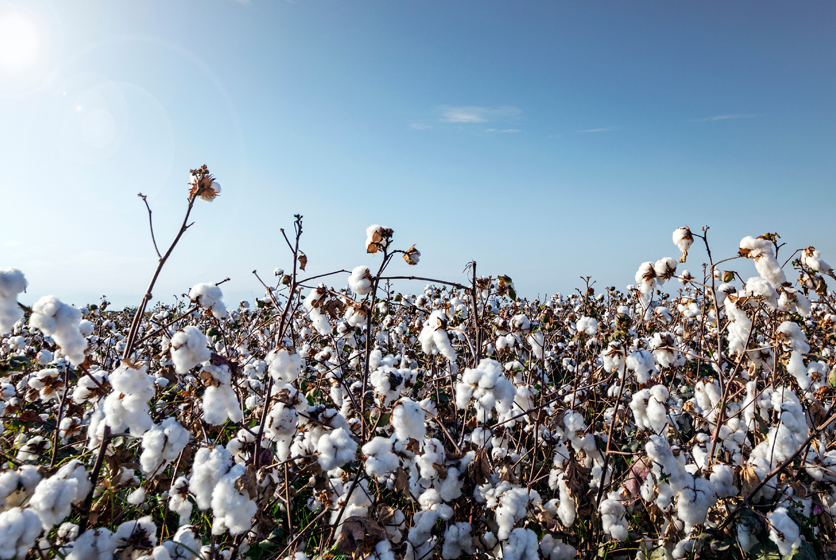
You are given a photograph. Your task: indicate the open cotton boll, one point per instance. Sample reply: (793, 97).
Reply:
(12, 283)
(642, 364)
(649, 410)
(127, 406)
(810, 257)
(335, 449)
(457, 541)
(233, 509)
(587, 325)
(283, 366)
(360, 280)
(54, 496)
(209, 297)
(62, 322)
(377, 238)
(189, 348)
(162, 444)
(783, 531)
(693, 502)
(380, 460)
(185, 544)
(555, 549)
(408, 418)
(210, 465)
(513, 507)
(794, 336)
(646, 277)
(798, 370)
(762, 252)
(759, 287)
(665, 269)
(522, 545)
(535, 340)
(19, 528)
(683, 238)
(612, 517)
(219, 399)
(93, 544)
(487, 385)
(433, 337)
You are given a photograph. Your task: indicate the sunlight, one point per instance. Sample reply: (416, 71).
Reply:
(19, 42)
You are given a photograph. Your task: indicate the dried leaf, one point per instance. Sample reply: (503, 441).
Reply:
(358, 532)
(246, 483)
(303, 260)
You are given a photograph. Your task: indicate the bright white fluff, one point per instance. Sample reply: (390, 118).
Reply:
(210, 465)
(522, 545)
(93, 544)
(487, 385)
(612, 517)
(683, 238)
(219, 399)
(209, 297)
(283, 366)
(762, 252)
(642, 364)
(162, 444)
(185, 543)
(233, 509)
(408, 420)
(12, 283)
(587, 325)
(360, 280)
(19, 528)
(62, 322)
(649, 411)
(335, 448)
(178, 499)
(433, 337)
(789, 539)
(127, 406)
(54, 496)
(457, 541)
(189, 348)
(555, 549)
(380, 460)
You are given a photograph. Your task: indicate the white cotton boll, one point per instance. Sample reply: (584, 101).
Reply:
(663, 349)
(12, 283)
(209, 297)
(388, 383)
(746, 537)
(798, 370)
(162, 444)
(433, 336)
(555, 549)
(178, 499)
(522, 545)
(19, 528)
(457, 541)
(665, 268)
(796, 338)
(185, 544)
(127, 406)
(86, 328)
(789, 539)
(612, 517)
(646, 277)
(566, 510)
(54, 496)
(694, 500)
(587, 325)
(683, 238)
(60, 321)
(759, 287)
(535, 340)
(360, 281)
(513, 506)
(210, 465)
(723, 479)
(643, 364)
(762, 252)
(487, 385)
(93, 544)
(219, 399)
(408, 419)
(380, 460)
(810, 257)
(283, 366)
(142, 529)
(189, 348)
(335, 448)
(377, 238)
(136, 497)
(233, 510)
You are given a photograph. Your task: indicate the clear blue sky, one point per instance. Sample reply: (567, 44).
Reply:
(545, 140)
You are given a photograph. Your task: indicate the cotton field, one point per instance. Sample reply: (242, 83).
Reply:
(358, 414)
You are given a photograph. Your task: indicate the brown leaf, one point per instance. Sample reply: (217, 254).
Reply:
(359, 532)
(303, 260)
(748, 480)
(246, 483)
(401, 481)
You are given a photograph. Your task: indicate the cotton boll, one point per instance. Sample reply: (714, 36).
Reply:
(12, 283)
(185, 543)
(209, 297)
(188, 349)
(793, 336)
(798, 370)
(683, 238)
(762, 252)
(377, 238)
(127, 406)
(522, 545)
(646, 278)
(178, 499)
(136, 497)
(810, 257)
(487, 385)
(233, 509)
(433, 337)
(162, 444)
(93, 544)
(335, 448)
(210, 465)
(219, 399)
(555, 549)
(19, 528)
(612, 517)
(535, 340)
(62, 322)
(408, 419)
(642, 364)
(665, 269)
(360, 281)
(54, 496)
(380, 460)
(587, 325)
(457, 541)
(789, 538)
(694, 500)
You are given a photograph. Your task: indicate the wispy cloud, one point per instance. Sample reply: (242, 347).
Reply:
(419, 126)
(606, 129)
(723, 118)
(473, 114)
(503, 130)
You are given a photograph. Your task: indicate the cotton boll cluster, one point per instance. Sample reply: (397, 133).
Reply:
(587, 325)
(209, 297)
(162, 444)
(61, 322)
(360, 281)
(127, 406)
(762, 252)
(488, 388)
(12, 283)
(189, 349)
(220, 403)
(433, 337)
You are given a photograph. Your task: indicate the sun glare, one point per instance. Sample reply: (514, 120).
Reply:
(19, 42)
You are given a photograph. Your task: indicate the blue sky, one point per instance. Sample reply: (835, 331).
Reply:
(545, 140)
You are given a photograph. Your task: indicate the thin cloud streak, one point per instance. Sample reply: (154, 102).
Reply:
(475, 115)
(606, 129)
(724, 118)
